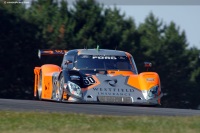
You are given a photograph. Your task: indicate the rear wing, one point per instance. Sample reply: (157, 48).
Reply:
(51, 52)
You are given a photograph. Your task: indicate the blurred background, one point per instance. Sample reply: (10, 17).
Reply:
(26, 26)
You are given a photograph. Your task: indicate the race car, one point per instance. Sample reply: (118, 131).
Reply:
(97, 76)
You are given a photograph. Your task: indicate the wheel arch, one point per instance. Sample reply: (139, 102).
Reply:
(47, 71)
(36, 80)
(65, 73)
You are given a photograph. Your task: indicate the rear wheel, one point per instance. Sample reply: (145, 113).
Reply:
(39, 90)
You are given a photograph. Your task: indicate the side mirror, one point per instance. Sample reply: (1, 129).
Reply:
(147, 65)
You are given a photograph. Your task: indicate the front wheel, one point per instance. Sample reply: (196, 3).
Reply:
(60, 89)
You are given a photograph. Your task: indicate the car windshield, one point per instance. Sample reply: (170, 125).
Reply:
(103, 62)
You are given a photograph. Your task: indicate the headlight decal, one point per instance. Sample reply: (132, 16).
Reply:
(152, 93)
(74, 89)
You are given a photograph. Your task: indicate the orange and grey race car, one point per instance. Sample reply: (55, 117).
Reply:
(96, 75)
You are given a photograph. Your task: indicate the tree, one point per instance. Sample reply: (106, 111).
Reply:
(166, 47)
(151, 33)
(19, 45)
(88, 23)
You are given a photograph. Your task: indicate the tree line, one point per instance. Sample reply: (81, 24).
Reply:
(86, 24)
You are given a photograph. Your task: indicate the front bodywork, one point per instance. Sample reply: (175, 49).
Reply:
(88, 78)
(123, 89)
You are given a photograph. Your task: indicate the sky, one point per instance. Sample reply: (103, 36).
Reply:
(187, 17)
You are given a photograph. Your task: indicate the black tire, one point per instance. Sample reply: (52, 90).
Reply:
(60, 89)
(39, 90)
(36, 97)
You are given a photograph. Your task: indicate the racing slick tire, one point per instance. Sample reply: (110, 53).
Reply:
(39, 90)
(60, 89)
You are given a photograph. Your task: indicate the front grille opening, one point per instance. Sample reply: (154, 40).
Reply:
(89, 96)
(114, 99)
(139, 98)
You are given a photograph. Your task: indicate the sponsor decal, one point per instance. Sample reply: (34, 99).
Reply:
(113, 94)
(104, 57)
(150, 79)
(114, 91)
(111, 82)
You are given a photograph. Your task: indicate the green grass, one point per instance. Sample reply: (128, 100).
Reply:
(41, 122)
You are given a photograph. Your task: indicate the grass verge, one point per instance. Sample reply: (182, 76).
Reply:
(41, 122)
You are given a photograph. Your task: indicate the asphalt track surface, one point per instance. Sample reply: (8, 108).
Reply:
(94, 109)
